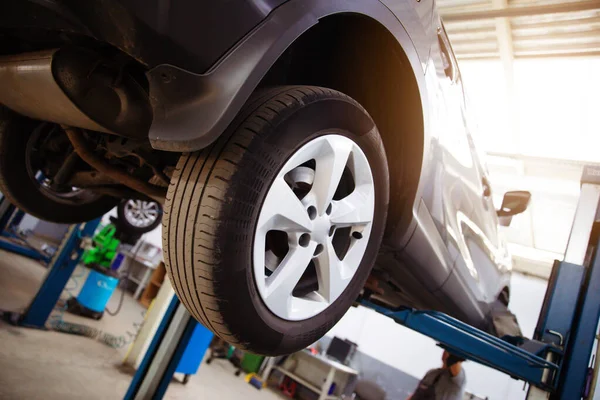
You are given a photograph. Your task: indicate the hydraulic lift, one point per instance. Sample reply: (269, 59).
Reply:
(60, 269)
(10, 217)
(558, 362)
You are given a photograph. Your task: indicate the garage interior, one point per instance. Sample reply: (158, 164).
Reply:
(530, 70)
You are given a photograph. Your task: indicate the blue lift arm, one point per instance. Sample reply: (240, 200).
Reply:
(557, 361)
(474, 344)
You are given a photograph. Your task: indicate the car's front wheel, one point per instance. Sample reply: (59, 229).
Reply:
(271, 232)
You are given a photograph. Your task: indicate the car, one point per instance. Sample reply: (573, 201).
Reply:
(307, 152)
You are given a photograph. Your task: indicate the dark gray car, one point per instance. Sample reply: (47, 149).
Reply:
(306, 151)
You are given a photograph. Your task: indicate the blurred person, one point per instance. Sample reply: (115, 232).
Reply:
(445, 383)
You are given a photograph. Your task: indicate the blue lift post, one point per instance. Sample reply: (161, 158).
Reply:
(583, 248)
(556, 362)
(60, 269)
(166, 349)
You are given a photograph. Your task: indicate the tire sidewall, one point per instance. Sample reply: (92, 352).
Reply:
(289, 131)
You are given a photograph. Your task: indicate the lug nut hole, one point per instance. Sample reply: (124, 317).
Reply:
(304, 240)
(357, 235)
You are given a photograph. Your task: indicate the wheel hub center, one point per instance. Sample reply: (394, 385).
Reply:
(320, 231)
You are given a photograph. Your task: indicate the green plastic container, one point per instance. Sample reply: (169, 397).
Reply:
(252, 362)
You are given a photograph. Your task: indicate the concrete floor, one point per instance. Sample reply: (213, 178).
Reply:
(45, 364)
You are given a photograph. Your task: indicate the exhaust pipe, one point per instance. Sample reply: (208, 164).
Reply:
(74, 86)
(29, 88)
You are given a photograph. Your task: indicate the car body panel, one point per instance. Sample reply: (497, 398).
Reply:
(426, 248)
(460, 215)
(211, 100)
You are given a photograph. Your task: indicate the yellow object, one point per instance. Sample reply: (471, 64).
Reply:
(255, 380)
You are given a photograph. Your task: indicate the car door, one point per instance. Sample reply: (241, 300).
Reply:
(485, 245)
(462, 183)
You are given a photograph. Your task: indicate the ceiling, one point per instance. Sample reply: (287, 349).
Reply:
(508, 29)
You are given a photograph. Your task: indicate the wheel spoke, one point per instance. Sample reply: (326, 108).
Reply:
(355, 253)
(330, 273)
(281, 283)
(313, 303)
(283, 210)
(353, 210)
(330, 166)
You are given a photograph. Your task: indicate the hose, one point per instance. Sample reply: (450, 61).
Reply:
(109, 339)
(135, 253)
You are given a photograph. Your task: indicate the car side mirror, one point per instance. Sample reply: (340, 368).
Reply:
(514, 203)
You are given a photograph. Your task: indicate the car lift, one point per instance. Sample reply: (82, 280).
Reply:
(60, 269)
(558, 363)
(10, 217)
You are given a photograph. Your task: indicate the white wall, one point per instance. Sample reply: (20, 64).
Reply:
(154, 237)
(380, 337)
(28, 223)
(555, 110)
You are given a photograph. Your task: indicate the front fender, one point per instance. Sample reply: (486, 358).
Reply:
(192, 110)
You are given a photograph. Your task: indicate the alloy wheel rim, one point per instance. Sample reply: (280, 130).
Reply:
(314, 227)
(140, 213)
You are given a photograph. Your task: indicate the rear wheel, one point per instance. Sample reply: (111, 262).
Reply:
(139, 216)
(28, 148)
(270, 233)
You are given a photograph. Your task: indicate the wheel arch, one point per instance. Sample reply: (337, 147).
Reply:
(213, 99)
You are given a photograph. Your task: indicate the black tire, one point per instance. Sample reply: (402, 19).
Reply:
(23, 192)
(213, 203)
(128, 227)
